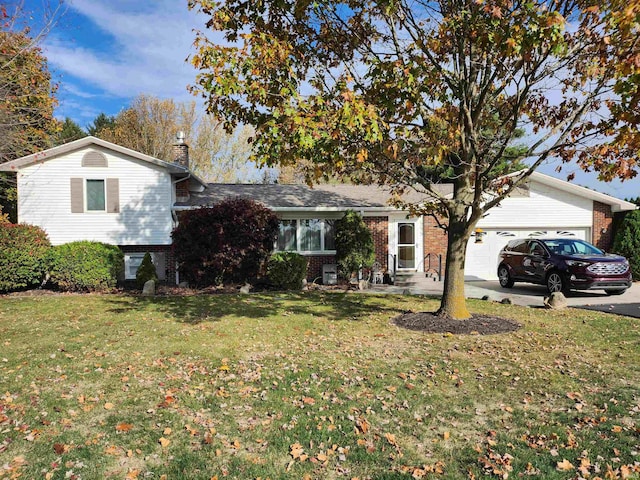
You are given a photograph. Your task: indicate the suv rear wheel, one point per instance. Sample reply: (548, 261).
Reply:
(556, 282)
(505, 277)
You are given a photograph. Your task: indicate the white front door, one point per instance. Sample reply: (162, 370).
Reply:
(405, 243)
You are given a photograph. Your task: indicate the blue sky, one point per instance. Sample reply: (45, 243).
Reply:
(105, 52)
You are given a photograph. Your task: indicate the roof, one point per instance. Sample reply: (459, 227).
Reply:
(302, 197)
(84, 142)
(617, 205)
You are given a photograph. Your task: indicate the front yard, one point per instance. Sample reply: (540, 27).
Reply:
(315, 386)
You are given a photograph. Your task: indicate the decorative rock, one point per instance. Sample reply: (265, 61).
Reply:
(246, 288)
(506, 301)
(149, 288)
(556, 301)
(183, 285)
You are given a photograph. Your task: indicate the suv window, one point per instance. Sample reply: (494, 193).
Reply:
(536, 249)
(521, 247)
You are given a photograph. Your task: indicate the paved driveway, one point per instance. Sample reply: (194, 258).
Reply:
(532, 295)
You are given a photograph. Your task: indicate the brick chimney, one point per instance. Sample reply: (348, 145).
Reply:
(181, 151)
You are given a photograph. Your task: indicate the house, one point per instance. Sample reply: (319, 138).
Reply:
(91, 189)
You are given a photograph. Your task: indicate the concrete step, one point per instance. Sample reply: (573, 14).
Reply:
(415, 280)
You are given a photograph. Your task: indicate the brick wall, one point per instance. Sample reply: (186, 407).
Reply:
(170, 264)
(182, 190)
(314, 269)
(435, 241)
(379, 227)
(602, 221)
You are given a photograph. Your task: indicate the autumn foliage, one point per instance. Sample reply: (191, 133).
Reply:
(227, 242)
(391, 92)
(23, 250)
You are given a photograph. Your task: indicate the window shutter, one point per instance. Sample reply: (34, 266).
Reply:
(113, 195)
(77, 195)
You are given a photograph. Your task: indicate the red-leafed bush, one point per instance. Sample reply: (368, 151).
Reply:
(23, 249)
(227, 242)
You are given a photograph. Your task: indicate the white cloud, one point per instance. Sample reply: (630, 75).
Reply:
(150, 42)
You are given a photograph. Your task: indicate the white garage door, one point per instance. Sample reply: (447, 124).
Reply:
(482, 258)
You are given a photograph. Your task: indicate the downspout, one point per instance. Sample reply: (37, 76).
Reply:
(174, 215)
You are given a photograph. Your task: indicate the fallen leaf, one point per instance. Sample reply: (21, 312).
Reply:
(124, 427)
(109, 406)
(564, 466)
(167, 431)
(296, 450)
(164, 442)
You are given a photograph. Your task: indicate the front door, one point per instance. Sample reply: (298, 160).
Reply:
(407, 246)
(405, 243)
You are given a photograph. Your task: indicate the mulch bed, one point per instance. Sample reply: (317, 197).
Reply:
(476, 325)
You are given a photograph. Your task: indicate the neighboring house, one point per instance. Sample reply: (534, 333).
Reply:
(91, 189)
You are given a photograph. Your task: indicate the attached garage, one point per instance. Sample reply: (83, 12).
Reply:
(483, 250)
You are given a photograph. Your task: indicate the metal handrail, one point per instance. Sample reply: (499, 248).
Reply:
(391, 267)
(427, 258)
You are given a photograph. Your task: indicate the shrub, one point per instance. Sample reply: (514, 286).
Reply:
(229, 241)
(23, 249)
(354, 244)
(85, 266)
(287, 270)
(627, 241)
(146, 271)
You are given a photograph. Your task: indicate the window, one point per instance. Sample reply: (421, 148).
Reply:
(287, 238)
(306, 235)
(95, 196)
(131, 263)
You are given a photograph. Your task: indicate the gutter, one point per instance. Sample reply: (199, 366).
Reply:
(308, 209)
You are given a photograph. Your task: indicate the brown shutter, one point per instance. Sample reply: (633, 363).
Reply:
(113, 195)
(77, 195)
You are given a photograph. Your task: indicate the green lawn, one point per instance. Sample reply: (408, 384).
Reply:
(316, 386)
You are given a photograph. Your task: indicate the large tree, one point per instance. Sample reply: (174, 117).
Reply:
(384, 91)
(27, 94)
(150, 124)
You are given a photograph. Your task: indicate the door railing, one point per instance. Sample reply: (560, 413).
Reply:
(433, 265)
(392, 267)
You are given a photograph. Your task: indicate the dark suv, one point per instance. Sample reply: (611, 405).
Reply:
(563, 264)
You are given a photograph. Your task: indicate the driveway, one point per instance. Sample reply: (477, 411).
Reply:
(532, 295)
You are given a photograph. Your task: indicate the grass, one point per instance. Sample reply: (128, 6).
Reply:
(315, 386)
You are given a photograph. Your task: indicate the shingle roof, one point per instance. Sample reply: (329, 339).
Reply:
(281, 196)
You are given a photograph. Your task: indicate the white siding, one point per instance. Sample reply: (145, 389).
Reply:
(144, 191)
(546, 207)
(547, 211)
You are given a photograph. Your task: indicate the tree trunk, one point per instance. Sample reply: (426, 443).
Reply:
(453, 303)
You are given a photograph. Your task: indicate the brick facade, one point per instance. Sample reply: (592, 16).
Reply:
(182, 190)
(379, 227)
(170, 264)
(601, 236)
(314, 269)
(435, 242)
